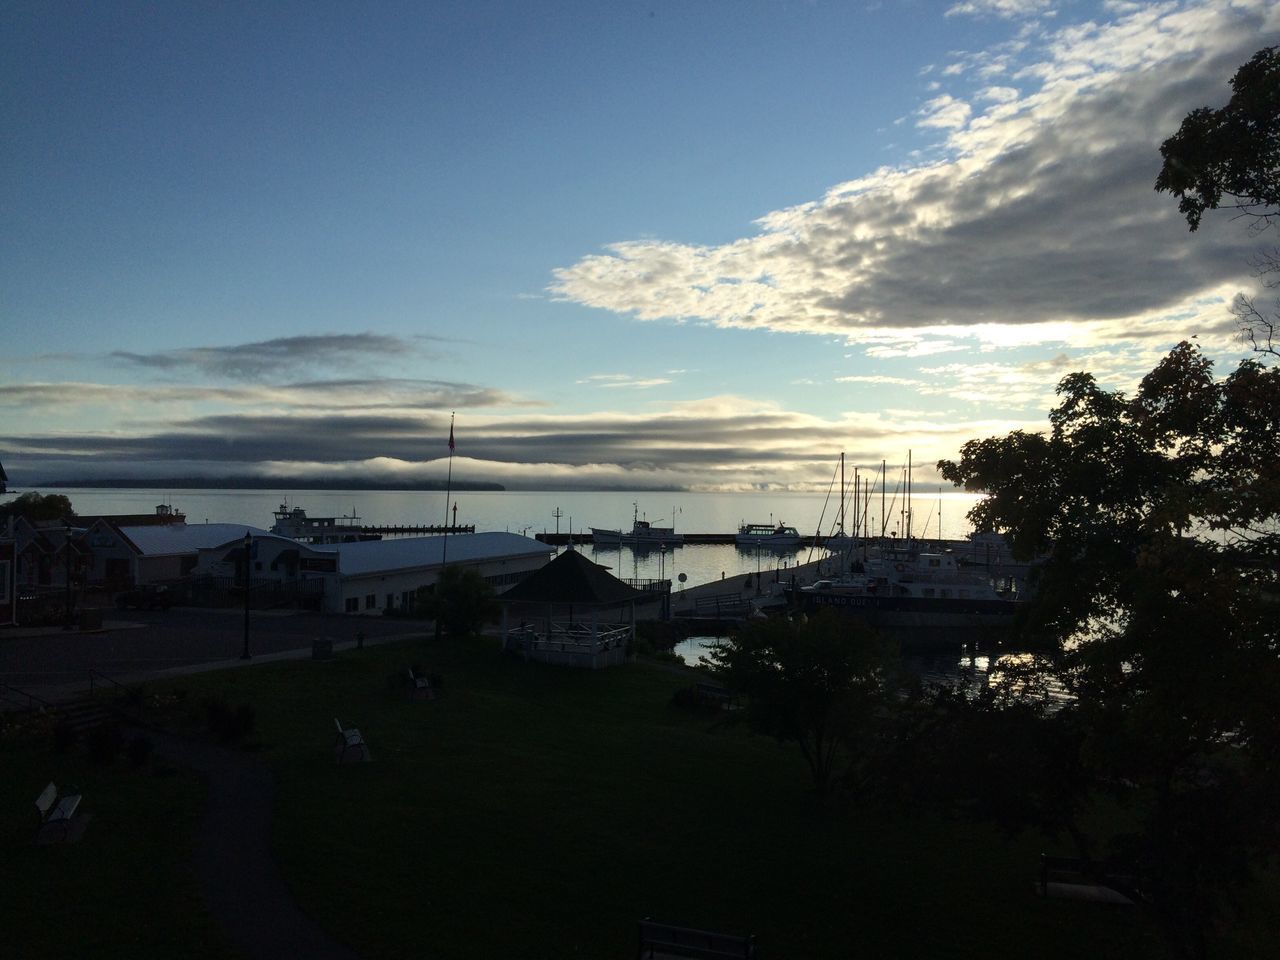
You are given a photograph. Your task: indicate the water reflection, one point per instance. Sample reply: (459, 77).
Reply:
(691, 649)
(961, 670)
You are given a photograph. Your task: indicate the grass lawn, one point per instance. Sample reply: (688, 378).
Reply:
(126, 888)
(535, 811)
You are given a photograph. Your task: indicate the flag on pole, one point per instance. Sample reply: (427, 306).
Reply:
(451, 436)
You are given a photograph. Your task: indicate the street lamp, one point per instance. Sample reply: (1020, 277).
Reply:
(248, 545)
(758, 569)
(67, 547)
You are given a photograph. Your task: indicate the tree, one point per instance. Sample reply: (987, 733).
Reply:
(37, 507)
(461, 600)
(1159, 609)
(1232, 152)
(815, 683)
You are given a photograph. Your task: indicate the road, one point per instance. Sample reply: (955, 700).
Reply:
(134, 643)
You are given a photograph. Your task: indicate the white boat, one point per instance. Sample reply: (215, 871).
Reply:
(642, 534)
(293, 522)
(767, 535)
(926, 595)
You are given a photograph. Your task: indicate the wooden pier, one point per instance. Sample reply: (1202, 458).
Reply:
(406, 531)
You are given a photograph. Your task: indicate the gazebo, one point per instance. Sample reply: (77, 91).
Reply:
(572, 612)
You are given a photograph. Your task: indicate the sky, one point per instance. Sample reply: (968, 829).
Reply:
(699, 244)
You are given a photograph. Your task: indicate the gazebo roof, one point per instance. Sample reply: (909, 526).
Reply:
(571, 578)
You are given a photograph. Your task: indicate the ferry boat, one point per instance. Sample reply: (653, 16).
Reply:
(293, 522)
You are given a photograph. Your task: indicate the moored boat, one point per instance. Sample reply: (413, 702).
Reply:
(642, 534)
(924, 598)
(767, 535)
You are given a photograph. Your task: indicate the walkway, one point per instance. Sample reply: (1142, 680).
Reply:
(242, 885)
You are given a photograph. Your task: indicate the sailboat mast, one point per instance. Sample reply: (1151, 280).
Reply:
(884, 517)
(908, 496)
(842, 493)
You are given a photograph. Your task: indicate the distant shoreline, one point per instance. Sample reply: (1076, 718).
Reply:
(263, 483)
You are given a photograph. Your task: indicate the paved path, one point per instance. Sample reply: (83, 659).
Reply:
(242, 885)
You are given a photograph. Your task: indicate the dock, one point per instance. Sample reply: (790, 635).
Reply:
(411, 530)
(696, 539)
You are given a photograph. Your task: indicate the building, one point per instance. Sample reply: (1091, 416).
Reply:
(8, 582)
(572, 612)
(367, 577)
(378, 575)
(134, 555)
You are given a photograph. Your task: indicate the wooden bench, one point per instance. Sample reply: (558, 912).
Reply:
(1069, 878)
(658, 940)
(421, 689)
(56, 811)
(349, 739)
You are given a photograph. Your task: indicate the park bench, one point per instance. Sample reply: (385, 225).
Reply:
(662, 940)
(421, 687)
(1101, 882)
(349, 739)
(56, 811)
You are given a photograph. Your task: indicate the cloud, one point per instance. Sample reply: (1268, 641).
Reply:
(944, 112)
(1006, 9)
(880, 379)
(998, 94)
(615, 380)
(1041, 218)
(316, 395)
(273, 359)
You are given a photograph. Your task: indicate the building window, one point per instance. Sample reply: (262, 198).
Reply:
(371, 602)
(353, 604)
(391, 601)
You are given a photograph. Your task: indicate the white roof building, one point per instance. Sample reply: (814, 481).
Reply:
(378, 575)
(144, 554)
(369, 577)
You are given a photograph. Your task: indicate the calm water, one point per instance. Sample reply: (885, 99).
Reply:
(957, 669)
(533, 512)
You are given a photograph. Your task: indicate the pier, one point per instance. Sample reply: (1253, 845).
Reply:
(410, 530)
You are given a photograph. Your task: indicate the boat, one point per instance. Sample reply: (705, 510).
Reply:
(642, 534)
(923, 596)
(767, 535)
(293, 522)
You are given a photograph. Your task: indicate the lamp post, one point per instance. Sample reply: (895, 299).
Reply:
(67, 547)
(758, 569)
(248, 545)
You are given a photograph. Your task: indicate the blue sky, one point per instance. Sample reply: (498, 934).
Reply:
(703, 244)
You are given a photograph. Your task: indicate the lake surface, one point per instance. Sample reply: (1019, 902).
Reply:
(533, 512)
(951, 670)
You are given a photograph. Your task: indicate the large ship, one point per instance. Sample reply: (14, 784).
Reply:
(293, 522)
